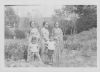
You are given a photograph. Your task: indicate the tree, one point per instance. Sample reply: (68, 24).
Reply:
(88, 17)
(11, 20)
(67, 17)
(11, 17)
(8, 33)
(76, 18)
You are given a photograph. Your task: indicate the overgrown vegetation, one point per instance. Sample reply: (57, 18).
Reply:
(83, 45)
(79, 26)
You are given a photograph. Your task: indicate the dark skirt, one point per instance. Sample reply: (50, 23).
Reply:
(50, 52)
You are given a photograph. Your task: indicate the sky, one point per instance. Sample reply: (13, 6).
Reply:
(36, 10)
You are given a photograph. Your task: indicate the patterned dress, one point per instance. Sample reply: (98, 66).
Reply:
(45, 38)
(34, 33)
(58, 35)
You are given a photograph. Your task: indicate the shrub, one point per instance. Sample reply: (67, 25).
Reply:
(8, 33)
(15, 51)
(20, 34)
(85, 42)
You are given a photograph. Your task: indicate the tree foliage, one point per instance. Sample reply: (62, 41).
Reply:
(76, 18)
(11, 17)
(24, 24)
(12, 24)
(88, 17)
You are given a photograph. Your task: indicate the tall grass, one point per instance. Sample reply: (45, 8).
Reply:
(15, 49)
(84, 44)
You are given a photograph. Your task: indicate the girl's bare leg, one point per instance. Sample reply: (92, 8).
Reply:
(39, 57)
(33, 57)
(52, 59)
(28, 56)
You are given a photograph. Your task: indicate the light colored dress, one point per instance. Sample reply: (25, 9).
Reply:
(51, 45)
(45, 37)
(34, 32)
(45, 33)
(44, 40)
(33, 47)
(58, 35)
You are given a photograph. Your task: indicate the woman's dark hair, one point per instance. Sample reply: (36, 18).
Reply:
(31, 24)
(44, 23)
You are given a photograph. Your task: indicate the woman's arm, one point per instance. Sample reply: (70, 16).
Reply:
(30, 38)
(61, 33)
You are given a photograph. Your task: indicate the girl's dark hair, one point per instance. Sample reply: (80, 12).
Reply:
(55, 23)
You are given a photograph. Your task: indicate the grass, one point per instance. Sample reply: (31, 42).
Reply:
(80, 51)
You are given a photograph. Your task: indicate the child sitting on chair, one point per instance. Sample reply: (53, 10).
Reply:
(51, 48)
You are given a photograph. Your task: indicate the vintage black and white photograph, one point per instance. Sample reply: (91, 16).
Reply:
(50, 35)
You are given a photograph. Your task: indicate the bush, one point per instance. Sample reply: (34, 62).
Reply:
(20, 34)
(15, 51)
(8, 33)
(85, 42)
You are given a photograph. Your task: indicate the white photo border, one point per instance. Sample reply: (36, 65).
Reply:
(47, 2)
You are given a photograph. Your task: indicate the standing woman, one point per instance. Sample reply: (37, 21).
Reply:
(34, 39)
(44, 39)
(58, 36)
(45, 35)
